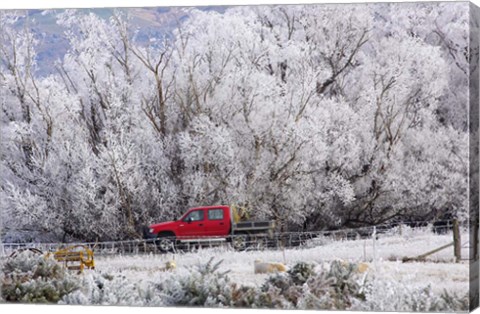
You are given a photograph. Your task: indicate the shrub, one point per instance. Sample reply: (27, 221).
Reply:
(389, 295)
(243, 296)
(300, 272)
(34, 278)
(106, 289)
(203, 285)
(301, 287)
(347, 284)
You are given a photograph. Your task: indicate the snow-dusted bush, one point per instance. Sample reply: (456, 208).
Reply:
(105, 289)
(283, 290)
(34, 278)
(389, 295)
(300, 272)
(347, 282)
(333, 287)
(202, 285)
(340, 286)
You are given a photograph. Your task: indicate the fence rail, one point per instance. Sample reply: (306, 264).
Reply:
(250, 242)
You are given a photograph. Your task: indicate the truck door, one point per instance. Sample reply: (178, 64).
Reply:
(217, 223)
(192, 225)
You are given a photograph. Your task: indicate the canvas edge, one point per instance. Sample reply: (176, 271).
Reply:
(474, 33)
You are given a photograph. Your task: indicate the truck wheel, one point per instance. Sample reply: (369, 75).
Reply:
(165, 242)
(240, 242)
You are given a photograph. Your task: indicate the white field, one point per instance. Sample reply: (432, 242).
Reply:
(439, 270)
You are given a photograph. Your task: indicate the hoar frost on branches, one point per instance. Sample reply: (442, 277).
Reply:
(314, 116)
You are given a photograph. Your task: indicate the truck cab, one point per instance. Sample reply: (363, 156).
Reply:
(209, 221)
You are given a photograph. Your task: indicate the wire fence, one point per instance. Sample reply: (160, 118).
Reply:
(265, 241)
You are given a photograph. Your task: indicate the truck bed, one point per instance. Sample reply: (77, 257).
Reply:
(253, 225)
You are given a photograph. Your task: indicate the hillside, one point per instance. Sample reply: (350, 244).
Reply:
(53, 44)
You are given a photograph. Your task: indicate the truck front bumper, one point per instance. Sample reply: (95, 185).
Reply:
(147, 233)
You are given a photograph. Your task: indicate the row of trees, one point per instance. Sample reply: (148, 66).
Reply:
(315, 116)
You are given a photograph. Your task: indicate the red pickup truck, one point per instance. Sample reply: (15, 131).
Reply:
(209, 224)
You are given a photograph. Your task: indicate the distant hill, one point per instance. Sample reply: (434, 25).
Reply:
(151, 22)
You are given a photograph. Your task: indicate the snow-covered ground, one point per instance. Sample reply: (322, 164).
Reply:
(439, 270)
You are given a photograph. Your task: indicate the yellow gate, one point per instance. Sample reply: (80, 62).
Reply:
(75, 257)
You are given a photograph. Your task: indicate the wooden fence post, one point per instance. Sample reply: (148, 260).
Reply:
(365, 250)
(457, 243)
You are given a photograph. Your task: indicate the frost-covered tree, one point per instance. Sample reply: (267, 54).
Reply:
(314, 116)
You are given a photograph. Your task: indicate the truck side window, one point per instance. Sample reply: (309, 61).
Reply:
(196, 215)
(215, 214)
